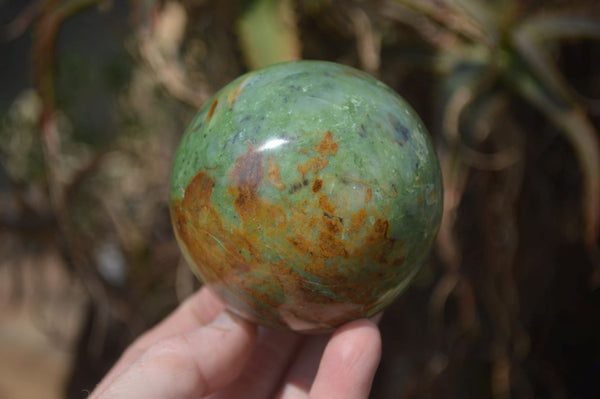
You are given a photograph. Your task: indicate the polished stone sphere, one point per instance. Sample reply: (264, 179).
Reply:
(305, 195)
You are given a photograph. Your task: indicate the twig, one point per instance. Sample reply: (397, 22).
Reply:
(446, 17)
(52, 16)
(368, 41)
(21, 22)
(162, 60)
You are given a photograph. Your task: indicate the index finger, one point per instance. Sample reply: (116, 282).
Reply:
(197, 311)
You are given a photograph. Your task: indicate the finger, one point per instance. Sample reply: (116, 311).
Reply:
(300, 377)
(196, 311)
(267, 365)
(296, 384)
(349, 362)
(188, 365)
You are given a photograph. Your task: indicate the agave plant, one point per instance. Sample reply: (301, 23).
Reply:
(489, 55)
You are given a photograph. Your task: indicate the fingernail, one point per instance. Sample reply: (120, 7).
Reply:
(377, 318)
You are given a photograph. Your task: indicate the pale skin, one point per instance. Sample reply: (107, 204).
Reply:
(203, 351)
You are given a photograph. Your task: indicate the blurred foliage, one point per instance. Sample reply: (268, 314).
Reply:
(509, 304)
(268, 33)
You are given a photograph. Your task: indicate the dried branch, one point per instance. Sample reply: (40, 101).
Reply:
(368, 41)
(21, 22)
(447, 17)
(159, 47)
(73, 249)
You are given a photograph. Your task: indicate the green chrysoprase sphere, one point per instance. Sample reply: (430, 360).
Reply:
(305, 195)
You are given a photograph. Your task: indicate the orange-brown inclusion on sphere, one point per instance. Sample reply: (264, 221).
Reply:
(229, 254)
(358, 220)
(326, 146)
(234, 93)
(317, 185)
(273, 172)
(314, 164)
(211, 111)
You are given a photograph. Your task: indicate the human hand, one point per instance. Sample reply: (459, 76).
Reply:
(201, 350)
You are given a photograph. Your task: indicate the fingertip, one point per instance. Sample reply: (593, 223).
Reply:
(363, 332)
(204, 305)
(349, 362)
(360, 325)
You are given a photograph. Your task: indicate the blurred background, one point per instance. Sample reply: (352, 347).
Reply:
(95, 95)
